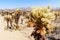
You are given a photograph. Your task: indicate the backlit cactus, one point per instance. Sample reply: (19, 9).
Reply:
(18, 12)
(8, 18)
(43, 18)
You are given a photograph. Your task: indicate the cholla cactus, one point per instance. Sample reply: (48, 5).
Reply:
(42, 17)
(4, 12)
(57, 13)
(8, 18)
(18, 12)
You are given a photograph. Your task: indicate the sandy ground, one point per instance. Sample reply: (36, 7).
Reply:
(14, 35)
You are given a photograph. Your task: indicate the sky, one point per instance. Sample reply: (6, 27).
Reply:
(28, 3)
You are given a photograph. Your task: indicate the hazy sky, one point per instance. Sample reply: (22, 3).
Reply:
(28, 3)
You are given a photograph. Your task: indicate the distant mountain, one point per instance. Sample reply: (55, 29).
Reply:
(55, 9)
(27, 9)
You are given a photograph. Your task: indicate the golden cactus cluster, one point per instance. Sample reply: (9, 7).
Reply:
(8, 17)
(42, 17)
(18, 11)
(11, 16)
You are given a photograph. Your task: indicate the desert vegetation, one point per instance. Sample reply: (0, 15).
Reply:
(40, 18)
